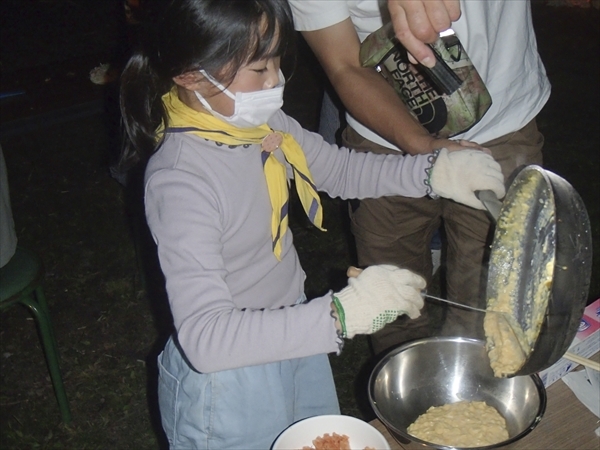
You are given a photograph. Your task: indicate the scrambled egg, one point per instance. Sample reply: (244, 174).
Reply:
(462, 424)
(522, 270)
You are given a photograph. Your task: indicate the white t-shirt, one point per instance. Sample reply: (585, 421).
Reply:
(499, 38)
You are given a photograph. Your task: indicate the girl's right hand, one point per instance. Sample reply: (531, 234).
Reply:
(375, 297)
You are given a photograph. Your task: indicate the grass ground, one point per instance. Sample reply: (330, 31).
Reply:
(110, 327)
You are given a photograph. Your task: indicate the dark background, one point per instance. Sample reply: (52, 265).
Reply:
(58, 136)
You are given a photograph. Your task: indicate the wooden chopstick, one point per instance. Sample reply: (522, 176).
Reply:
(581, 360)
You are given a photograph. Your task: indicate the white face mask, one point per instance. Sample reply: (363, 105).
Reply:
(252, 109)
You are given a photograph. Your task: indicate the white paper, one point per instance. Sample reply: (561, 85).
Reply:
(585, 384)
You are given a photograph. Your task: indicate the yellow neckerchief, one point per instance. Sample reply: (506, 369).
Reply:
(183, 119)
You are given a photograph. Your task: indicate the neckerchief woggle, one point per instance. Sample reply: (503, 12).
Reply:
(183, 119)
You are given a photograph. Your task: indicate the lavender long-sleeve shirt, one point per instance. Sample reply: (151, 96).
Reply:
(209, 211)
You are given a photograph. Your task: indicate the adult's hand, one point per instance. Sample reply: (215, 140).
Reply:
(419, 22)
(455, 145)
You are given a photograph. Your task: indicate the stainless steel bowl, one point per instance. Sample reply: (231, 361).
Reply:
(435, 371)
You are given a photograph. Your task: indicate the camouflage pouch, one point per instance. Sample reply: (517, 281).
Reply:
(448, 99)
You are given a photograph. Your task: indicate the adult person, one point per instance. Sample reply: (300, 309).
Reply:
(499, 38)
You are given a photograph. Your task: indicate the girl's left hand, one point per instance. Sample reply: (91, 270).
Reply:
(457, 175)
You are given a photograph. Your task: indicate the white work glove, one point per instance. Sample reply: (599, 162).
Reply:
(376, 297)
(457, 175)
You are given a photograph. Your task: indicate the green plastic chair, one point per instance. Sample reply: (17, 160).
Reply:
(21, 282)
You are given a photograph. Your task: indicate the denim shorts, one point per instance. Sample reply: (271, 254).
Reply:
(244, 408)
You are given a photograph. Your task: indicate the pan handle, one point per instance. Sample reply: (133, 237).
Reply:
(491, 202)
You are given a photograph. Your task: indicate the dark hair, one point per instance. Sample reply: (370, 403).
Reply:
(179, 36)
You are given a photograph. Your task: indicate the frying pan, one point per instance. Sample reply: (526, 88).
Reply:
(541, 257)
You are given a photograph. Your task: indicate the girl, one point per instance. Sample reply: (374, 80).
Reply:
(201, 105)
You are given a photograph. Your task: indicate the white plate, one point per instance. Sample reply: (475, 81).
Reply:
(303, 432)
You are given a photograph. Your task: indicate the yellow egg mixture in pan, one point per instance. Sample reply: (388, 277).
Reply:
(522, 265)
